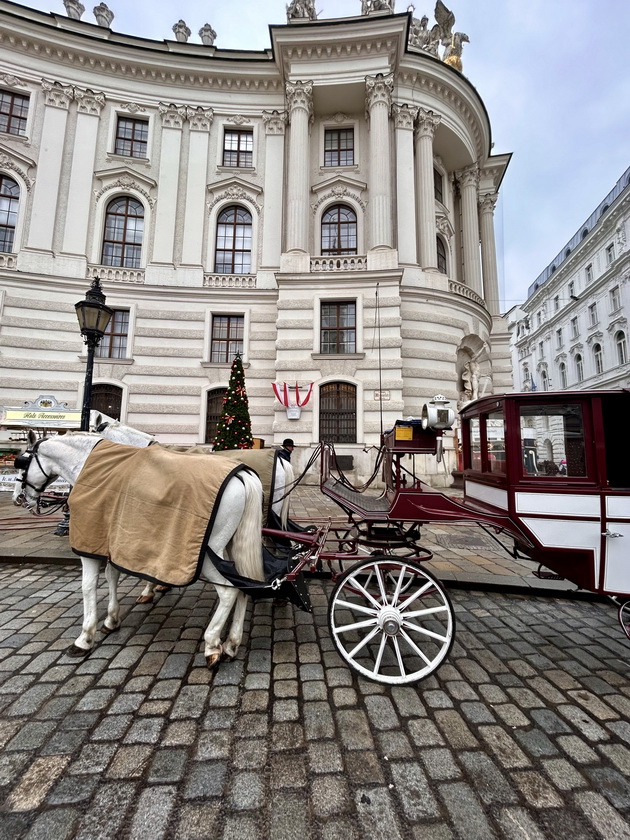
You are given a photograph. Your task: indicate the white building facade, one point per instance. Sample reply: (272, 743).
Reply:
(324, 207)
(572, 331)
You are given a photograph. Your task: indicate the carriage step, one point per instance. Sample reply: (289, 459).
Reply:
(545, 574)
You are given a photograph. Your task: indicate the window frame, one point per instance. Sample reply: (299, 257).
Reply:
(13, 210)
(562, 370)
(575, 327)
(234, 226)
(240, 132)
(615, 298)
(119, 312)
(120, 392)
(559, 339)
(342, 123)
(322, 421)
(338, 130)
(340, 225)
(124, 242)
(610, 253)
(593, 316)
(598, 358)
(442, 261)
(214, 389)
(239, 321)
(338, 329)
(621, 344)
(135, 121)
(579, 367)
(12, 116)
(588, 272)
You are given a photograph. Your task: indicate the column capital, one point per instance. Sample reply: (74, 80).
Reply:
(427, 123)
(404, 115)
(173, 116)
(89, 101)
(275, 121)
(469, 177)
(57, 95)
(200, 119)
(379, 88)
(300, 95)
(488, 202)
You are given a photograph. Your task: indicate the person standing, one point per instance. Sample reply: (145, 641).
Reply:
(286, 450)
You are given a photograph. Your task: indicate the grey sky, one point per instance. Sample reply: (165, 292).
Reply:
(553, 77)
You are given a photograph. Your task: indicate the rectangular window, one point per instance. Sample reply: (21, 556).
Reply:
(541, 349)
(556, 303)
(495, 442)
(589, 273)
(238, 147)
(592, 314)
(559, 338)
(13, 113)
(571, 289)
(539, 319)
(227, 338)
(438, 186)
(339, 147)
(552, 439)
(575, 330)
(615, 299)
(338, 327)
(475, 444)
(114, 343)
(610, 254)
(131, 137)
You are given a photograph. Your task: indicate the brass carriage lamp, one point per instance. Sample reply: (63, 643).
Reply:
(93, 317)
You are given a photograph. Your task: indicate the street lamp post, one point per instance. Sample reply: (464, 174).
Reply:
(93, 318)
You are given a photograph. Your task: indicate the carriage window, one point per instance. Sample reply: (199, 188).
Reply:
(475, 444)
(495, 442)
(552, 440)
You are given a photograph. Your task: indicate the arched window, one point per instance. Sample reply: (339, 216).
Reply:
(598, 358)
(338, 413)
(622, 347)
(124, 228)
(9, 202)
(339, 231)
(214, 405)
(563, 375)
(233, 253)
(441, 255)
(107, 399)
(579, 368)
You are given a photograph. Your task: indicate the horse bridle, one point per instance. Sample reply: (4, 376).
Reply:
(24, 461)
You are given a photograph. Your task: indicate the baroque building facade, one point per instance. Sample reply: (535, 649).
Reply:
(572, 331)
(324, 207)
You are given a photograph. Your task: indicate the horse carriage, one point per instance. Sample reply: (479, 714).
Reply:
(390, 618)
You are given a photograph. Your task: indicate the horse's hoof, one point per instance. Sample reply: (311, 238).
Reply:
(162, 587)
(107, 630)
(213, 660)
(227, 657)
(144, 599)
(77, 652)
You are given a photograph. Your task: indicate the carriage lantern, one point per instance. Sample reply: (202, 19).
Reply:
(93, 318)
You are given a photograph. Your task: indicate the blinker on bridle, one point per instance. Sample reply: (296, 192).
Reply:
(24, 461)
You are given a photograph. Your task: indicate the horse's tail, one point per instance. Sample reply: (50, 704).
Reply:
(245, 548)
(288, 481)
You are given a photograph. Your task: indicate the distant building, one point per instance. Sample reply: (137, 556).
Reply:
(572, 331)
(324, 207)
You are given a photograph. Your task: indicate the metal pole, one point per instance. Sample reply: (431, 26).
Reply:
(87, 387)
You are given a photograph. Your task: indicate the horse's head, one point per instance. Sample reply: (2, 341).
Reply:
(35, 476)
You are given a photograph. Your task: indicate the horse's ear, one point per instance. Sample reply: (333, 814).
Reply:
(32, 437)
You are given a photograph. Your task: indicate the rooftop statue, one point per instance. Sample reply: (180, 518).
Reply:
(182, 32)
(429, 40)
(74, 9)
(207, 35)
(419, 35)
(301, 10)
(453, 52)
(369, 6)
(104, 15)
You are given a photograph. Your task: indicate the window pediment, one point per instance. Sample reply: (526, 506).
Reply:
(234, 189)
(339, 187)
(576, 348)
(618, 323)
(122, 177)
(595, 337)
(18, 163)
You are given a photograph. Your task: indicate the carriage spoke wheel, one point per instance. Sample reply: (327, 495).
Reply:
(624, 618)
(391, 620)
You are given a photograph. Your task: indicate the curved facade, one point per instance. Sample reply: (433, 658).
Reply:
(324, 206)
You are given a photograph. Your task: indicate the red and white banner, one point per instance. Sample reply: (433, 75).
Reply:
(283, 394)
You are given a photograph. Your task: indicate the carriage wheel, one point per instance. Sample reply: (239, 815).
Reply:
(624, 618)
(391, 620)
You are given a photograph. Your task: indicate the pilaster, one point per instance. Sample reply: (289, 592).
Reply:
(275, 124)
(199, 121)
(164, 240)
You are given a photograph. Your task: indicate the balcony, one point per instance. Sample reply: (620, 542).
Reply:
(465, 291)
(342, 263)
(229, 281)
(116, 274)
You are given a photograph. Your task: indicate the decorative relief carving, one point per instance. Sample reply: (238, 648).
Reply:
(619, 323)
(488, 202)
(404, 115)
(338, 118)
(238, 119)
(469, 177)
(379, 89)
(11, 81)
(621, 236)
(90, 102)
(427, 123)
(7, 163)
(443, 226)
(173, 116)
(200, 119)
(300, 95)
(234, 193)
(56, 94)
(125, 182)
(275, 121)
(339, 191)
(133, 107)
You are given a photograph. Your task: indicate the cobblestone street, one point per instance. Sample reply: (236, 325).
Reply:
(523, 733)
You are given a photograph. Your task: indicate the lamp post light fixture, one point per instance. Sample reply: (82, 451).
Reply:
(93, 318)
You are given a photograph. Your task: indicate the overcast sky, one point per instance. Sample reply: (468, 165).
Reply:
(553, 75)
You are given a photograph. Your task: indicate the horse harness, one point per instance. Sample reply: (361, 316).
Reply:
(23, 462)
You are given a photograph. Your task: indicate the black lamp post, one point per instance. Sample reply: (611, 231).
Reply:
(93, 317)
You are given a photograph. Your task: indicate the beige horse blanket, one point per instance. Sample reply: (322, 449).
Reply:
(149, 511)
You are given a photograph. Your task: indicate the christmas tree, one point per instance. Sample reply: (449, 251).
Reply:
(234, 429)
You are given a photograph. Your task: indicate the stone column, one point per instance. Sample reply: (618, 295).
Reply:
(57, 98)
(275, 122)
(300, 99)
(164, 239)
(487, 204)
(468, 181)
(378, 102)
(199, 120)
(404, 117)
(79, 199)
(426, 126)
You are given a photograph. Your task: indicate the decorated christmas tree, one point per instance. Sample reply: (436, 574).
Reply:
(234, 429)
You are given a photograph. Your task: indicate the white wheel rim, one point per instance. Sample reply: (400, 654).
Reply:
(391, 621)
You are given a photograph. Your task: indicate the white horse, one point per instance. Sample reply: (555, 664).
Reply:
(236, 533)
(283, 478)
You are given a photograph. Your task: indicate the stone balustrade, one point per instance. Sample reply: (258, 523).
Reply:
(229, 281)
(465, 291)
(346, 263)
(116, 274)
(8, 260)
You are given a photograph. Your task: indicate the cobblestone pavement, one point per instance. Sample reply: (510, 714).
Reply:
(523, 733)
